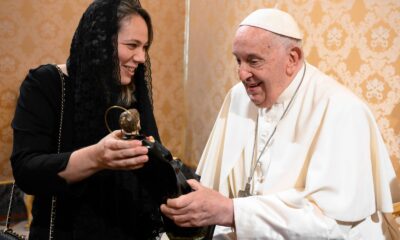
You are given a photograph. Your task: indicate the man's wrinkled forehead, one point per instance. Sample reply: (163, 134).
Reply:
(251, 40)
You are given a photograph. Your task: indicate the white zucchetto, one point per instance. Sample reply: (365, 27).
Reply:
(273, 20)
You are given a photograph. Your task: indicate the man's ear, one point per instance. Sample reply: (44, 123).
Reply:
(295, 56)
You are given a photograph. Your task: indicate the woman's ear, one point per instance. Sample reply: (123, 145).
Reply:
(295, 57)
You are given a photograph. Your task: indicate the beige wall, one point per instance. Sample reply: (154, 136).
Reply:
(356, 41)
(167, 67)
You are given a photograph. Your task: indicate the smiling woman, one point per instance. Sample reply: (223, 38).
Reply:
(95, 176)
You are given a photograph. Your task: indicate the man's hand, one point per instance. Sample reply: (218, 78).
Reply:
(201, 207)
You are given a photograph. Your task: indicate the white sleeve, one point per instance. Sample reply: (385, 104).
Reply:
(269, 217)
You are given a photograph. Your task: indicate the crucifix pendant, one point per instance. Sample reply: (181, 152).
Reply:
(245, 192)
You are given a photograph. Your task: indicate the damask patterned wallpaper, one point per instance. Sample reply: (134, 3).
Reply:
(355, 41)
(31, 33)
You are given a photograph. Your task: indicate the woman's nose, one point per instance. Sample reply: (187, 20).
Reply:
(140, 56)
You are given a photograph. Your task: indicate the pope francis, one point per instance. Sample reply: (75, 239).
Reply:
(293, 154)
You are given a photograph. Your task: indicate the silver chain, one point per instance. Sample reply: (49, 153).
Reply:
(246, 192)
(54, 198)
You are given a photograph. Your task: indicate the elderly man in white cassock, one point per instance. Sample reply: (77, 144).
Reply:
(293, 154)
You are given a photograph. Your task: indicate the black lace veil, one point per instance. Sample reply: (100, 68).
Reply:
(94, 67)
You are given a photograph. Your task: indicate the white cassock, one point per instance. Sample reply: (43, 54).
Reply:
(326, 173)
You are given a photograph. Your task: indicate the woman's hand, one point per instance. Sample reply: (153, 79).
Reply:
(114, 153)
(111, 152)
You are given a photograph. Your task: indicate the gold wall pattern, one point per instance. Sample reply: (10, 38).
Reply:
(167, 68)
(31, 33)
(355, 41)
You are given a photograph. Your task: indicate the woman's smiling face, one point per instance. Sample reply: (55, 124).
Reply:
(132, 46)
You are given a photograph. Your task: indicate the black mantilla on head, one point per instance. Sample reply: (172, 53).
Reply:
(93, 67)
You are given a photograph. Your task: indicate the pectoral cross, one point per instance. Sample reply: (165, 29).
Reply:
(245, 192)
